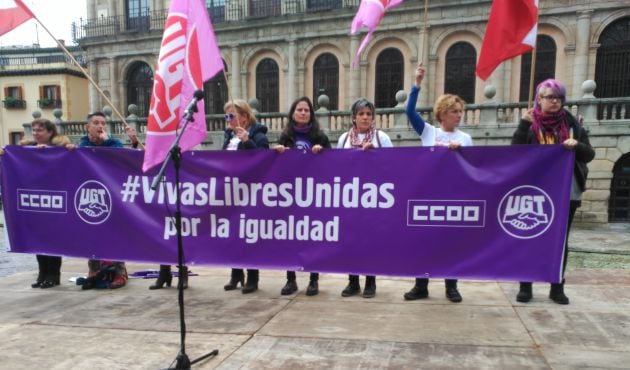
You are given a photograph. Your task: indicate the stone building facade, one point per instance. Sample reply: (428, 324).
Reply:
(278, 50)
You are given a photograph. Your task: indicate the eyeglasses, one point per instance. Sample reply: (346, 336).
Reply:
(229, 116)
(552, 97)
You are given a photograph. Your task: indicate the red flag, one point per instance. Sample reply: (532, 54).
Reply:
(12, 14)
(189, 56)
(511, 31)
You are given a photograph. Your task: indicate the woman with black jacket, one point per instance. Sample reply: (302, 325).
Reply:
(549, 123)
(302, 132)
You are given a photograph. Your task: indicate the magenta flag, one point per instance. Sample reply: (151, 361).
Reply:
(369, 15)
(189, 56)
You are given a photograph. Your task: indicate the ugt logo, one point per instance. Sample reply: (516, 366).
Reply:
(92, 202)
(525, 212)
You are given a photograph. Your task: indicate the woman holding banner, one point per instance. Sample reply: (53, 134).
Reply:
(448, 112)
(302, 132)
(244, 133)
(44, 135)
(549, 123)
(363, 135)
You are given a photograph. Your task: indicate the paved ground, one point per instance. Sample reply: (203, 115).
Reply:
(134, 328)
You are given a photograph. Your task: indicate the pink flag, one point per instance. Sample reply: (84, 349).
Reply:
(12, 14)
(188, 57)
(511, 31)
(369, 15)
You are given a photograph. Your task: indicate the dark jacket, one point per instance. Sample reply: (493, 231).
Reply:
(257, 138)
(317, 138)
(584, 152)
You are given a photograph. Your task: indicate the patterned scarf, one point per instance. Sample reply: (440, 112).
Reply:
(550, 128)
(354, 136)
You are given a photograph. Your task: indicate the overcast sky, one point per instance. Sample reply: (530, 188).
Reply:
(56, 15)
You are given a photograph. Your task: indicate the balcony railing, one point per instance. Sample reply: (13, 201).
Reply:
(49, 103)
(41, 59)
(14, 103)
(148, 21)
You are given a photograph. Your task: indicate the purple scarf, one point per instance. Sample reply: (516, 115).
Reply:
(550, 128)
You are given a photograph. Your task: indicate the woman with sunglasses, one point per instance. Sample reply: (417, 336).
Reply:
(302, 132)
(244, 133)
(549, 123)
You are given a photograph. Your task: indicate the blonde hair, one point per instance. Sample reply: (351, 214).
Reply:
(446, 102)
(241, 107)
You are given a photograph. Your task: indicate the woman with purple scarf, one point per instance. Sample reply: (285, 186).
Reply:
(549, 123)
(303, 133)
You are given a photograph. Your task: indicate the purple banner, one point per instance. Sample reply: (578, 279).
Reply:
(477, 213)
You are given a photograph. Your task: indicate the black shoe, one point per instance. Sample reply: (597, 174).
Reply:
(453, 295)
(556, 293)
(37, 284)
(312, 288)
(416, 293)
(48, 284)
(369, 291)
(164, 277)
(249, 288)
(524, 293)
(290, 288)
(233, 284)
(350, 290)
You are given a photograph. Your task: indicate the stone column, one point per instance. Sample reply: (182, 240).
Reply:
(91, 14)
(235, 83)
(94, 96)
(580, 66)
(291, 75)
(354, 86)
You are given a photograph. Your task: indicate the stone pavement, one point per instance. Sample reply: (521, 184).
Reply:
(135, 328)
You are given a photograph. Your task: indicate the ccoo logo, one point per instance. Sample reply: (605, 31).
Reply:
(92, 202)
(525, 212)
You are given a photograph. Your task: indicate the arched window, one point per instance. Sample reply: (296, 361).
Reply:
(545, 65)
(326, 79)
(389, 77)
(138, 15)
(461, 59)
(216, 93)
(612, 71)
(267, 92)
(139, 87)
(619, 203)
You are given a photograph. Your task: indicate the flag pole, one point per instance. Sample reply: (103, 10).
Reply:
(531, 79)
(85, 73)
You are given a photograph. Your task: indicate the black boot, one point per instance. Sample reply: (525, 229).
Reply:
(291, 286)
(313, 287)
(451, 291)
(556, 293)
(40, 274)
(353, 287)
(524, 293)
(52, 271)
(252, 282)
(237, 277)
(164, 277)
(183, 277)
(370, 287)
(419, 291)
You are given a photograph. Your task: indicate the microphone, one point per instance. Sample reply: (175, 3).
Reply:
(192, 106)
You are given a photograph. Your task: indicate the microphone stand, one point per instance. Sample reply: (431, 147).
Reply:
(182, 361)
